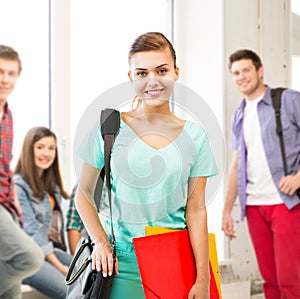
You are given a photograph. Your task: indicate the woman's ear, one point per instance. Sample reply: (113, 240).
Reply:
(176, 73)
(129, 76)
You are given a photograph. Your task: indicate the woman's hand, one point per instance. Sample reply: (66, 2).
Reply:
(52, 259)
(63, 269)
(199, 291)
(102, 259)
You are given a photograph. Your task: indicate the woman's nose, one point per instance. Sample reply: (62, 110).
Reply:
(152, 79)
(46, 152)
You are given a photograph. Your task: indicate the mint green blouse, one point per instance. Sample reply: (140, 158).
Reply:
(149, 186)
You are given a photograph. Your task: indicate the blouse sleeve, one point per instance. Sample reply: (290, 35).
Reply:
(205, 165)
(92, 147)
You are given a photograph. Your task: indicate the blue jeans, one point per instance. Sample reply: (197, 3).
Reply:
(48, 280)
(20, 256)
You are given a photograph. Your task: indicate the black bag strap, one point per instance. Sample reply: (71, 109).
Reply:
(110, 124)
(276, 101)
(71, 278)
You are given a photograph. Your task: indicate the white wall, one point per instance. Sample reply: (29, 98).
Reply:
(198, 40)
(61, 84)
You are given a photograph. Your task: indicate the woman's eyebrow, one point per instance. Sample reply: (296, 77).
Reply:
(144, 69)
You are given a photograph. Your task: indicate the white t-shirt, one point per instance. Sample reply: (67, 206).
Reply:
(261, 189)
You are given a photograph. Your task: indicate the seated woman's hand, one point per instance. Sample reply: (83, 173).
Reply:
(63, 269)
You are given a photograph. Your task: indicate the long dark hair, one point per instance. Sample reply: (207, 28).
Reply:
(51, 177)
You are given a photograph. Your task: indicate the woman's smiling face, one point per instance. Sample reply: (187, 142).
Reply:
(44, 151)
(153, 74)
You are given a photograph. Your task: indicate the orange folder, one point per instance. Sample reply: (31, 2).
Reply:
(166, 263)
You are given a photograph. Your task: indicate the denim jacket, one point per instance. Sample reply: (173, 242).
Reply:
(37, 214)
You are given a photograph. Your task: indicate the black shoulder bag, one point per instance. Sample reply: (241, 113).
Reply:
(276, 102)
(82, 281)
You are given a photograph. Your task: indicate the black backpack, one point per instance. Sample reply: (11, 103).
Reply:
(276, 102)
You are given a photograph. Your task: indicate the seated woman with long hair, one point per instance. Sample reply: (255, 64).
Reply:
(40, 189)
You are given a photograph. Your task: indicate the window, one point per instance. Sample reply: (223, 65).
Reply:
(295, 4)
(24, 25)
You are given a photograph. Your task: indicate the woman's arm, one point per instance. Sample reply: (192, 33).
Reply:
(17, 203)
(74, 225)
(102, 258)
(74, 236)
(34, 228)
(196, 218)
(52, 259)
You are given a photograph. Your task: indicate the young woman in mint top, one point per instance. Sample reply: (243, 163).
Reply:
(159, 168)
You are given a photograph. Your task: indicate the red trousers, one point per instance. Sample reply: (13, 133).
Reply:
(275, 234)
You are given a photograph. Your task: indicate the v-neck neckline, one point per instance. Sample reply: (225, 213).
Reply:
(123, 125)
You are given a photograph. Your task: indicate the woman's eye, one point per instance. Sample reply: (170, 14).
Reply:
(141, 74)
(162, 71)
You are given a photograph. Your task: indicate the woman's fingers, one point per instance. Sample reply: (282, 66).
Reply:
(102, 259)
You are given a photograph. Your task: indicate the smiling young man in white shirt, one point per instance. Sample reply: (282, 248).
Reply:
(268, 197)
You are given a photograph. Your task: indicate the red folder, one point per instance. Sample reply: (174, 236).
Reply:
(167, 266)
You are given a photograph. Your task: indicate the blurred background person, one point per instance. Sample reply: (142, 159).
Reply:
(74, 226)
(39, 187)
(19, 254)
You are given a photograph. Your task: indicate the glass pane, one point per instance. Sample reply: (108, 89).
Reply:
(295, 4)
(24, 26)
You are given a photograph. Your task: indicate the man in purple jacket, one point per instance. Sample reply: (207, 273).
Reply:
(268, 197)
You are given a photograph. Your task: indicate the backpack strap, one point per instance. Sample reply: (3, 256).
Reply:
(276, 102)
(110, 124)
